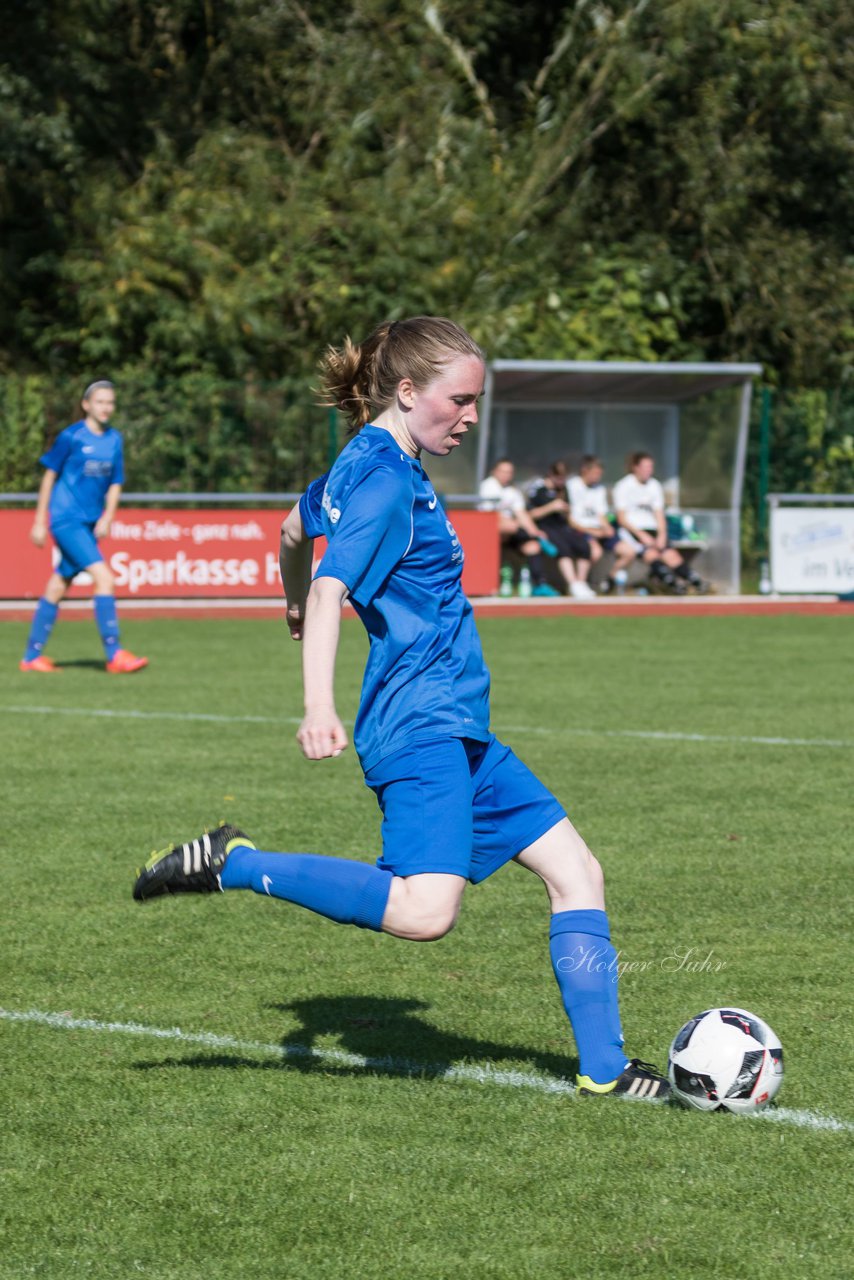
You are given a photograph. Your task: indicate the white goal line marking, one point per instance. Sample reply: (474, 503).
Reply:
(485, 1074)
(655, 735)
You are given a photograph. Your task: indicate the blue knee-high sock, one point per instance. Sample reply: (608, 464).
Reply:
(40, 628)
(344, 891)
(108, 623)
(585, 965)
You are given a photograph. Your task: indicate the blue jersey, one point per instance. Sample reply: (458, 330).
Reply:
(86, 465)
(392, 545)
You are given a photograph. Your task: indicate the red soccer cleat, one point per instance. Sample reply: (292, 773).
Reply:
(123, 663)
(41, 663)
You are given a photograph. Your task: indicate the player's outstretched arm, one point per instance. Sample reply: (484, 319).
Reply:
(321, 733)
(295, 556)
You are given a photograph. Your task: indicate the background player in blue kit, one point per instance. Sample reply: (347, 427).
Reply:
(456, 803)
(78, 498)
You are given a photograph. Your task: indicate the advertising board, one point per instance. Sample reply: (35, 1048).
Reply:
(812, 549)
(234, 553)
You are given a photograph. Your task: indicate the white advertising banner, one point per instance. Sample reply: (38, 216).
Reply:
(812, 549)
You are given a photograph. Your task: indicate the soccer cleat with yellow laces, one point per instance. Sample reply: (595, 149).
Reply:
(193, 867)
(638, 1080)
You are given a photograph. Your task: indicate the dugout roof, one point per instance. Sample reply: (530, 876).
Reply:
(611, 380)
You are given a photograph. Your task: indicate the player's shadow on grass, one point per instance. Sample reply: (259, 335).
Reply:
(377, 1035)
(91, 664)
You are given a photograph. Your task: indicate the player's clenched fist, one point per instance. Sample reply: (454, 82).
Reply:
(321, 735)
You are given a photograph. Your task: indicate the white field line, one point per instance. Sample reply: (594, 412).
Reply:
(653, 735)
(108, 713)
(484, 1073)
(662, 735)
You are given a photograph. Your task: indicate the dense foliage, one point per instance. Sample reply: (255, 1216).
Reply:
(196, 193)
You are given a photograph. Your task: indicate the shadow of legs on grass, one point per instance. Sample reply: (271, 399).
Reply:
(378, 1035)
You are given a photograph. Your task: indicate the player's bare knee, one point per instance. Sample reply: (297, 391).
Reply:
(103, 579)
(581, 874)
(55, 589)
(429, 922)
(595, 872)
(436, 927)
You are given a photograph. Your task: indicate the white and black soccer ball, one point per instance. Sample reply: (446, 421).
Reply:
(725, 1060)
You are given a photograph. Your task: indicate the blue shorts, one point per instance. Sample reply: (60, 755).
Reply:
(458, 807)
(78, 548)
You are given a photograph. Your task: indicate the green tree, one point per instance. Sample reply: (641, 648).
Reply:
(214, 192)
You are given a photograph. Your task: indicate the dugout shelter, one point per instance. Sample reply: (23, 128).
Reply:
(693, 419)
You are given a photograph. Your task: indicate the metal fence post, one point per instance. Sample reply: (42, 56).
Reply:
(764, 468)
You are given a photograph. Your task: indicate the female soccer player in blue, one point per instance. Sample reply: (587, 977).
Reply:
(456, 804)
(80, 491)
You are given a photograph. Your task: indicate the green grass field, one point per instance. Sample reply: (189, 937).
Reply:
(250, 1138)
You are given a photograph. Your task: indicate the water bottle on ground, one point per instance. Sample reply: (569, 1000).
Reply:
(525, 586)
(765, 586)
(621, 579)
(505, 588)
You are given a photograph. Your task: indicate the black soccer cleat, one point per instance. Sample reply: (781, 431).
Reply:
(193, 867)
(638, 1080)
